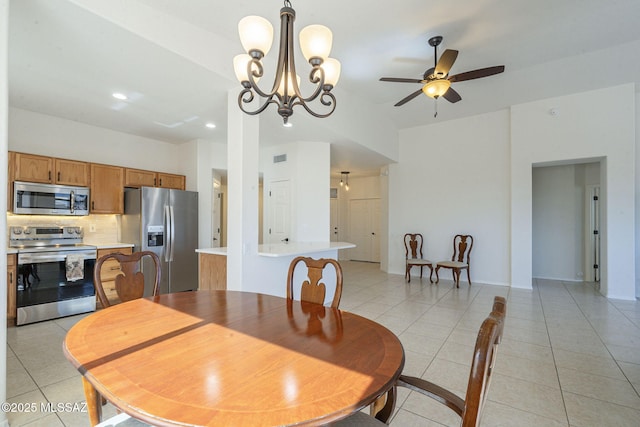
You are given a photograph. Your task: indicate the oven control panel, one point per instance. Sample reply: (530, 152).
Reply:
(22, 234)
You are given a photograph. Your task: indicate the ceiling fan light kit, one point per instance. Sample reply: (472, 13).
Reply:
(256, 36)
(436, 81)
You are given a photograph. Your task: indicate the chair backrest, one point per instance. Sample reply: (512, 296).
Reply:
(462, 245)
(313, 289)
(129, 284)
(484, 354)
(413, 245)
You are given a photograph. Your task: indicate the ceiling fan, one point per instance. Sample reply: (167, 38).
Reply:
(436, 81)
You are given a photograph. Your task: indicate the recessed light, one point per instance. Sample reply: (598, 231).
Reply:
(120, 96)
(211, 125)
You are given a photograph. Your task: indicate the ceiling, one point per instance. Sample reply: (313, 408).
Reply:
(66, 61)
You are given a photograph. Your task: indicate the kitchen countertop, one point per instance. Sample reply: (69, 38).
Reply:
(287, 249)
(110, 245)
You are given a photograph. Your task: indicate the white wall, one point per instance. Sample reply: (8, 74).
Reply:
(36, 133)
(4, 112)
(453, 177)
(307, 168)
(591, 125)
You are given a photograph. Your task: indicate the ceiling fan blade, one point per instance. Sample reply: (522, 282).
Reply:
(476, 74)
(445, 62)
(452, 96)
(408, 98)
(399, 80)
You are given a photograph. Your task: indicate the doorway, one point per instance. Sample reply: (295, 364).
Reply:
(562, 233)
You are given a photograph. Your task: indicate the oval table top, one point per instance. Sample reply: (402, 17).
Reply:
(228, 358)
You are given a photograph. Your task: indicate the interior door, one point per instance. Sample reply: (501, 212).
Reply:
(279, 224)
(216, 214)
(364, 229)
(333, 220)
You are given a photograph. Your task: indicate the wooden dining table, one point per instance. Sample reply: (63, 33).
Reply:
(229, 358)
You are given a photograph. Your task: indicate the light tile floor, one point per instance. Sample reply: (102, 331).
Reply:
(569, 356)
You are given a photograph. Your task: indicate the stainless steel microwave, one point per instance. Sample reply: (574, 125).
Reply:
(49, 199)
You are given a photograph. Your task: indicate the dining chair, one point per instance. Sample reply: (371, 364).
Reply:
(470, 408)
(312, 288)
(460, 260)
(129, 284)
(414, 257)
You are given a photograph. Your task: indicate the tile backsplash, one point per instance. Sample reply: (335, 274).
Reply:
(98, 229)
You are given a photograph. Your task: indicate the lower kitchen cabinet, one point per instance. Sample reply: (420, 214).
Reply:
(212, 271)
(12, 285)
(110, 269)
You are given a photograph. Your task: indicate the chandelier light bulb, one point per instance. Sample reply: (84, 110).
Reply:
(331, 67)
(315, 42)
(256, 34)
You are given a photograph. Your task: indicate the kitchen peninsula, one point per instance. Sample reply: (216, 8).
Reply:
(276, 256)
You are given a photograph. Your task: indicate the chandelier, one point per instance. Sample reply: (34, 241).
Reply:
(344, 176)
(256, 36)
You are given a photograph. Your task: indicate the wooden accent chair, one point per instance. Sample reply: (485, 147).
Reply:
(460, 260)
(470, 408)
(129, 284)
(312, 289)
(414, 257)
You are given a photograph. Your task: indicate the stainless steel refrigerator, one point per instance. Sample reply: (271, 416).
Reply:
(164, 221)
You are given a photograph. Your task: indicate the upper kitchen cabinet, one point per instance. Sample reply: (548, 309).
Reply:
(32, 168)
(49, 170)
(71, 172)
(107, 189)
(141, 178)
(167, 180)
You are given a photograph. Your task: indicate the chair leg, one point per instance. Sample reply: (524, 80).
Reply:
(431, 273)
(468, 276)
(421, 267)
(437, 277)
(456, 276)
(407, 274)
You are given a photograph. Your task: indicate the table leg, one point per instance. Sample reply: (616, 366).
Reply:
(94, 402)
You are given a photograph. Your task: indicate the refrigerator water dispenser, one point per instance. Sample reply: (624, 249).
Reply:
(155, 235)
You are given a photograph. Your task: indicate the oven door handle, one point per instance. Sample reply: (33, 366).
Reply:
(28, 258)
(72, 200)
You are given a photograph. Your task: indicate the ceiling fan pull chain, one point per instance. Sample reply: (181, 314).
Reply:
(435, 108)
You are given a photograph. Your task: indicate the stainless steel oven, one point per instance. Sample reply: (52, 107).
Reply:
(55, 273)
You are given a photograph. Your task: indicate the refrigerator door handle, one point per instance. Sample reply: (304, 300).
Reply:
(168, 229)
(173, 232)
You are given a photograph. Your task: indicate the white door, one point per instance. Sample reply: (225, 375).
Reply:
(364, 229)
(216, 214)
(333, 220)
(279, 224)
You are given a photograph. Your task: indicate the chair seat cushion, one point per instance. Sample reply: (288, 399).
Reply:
(417, 261)
(358, 419)
(452, 264)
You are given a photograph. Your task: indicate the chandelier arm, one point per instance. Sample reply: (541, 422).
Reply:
(331, 103)
(258, 72)
(318, 81)
(248, 100)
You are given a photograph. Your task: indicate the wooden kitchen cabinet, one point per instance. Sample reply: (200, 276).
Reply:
(168, 180)
(107, 189)
(33, 168)
(110, 269)
(48, 170)
(212, 271)
(71, 172)
(139, 178)
(12, 285)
